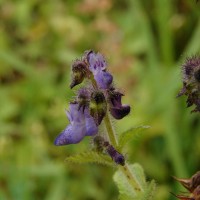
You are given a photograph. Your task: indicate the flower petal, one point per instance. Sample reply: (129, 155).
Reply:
(120, 112)
(91, 127)
(71, 135)
(96, 62)
(75, 115)
(103, 79)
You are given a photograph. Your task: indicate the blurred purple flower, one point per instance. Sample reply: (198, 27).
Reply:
(118, 110)
(81, 124)
(191, 82)
(97, 66)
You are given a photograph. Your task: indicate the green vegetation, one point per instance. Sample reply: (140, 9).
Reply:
(145, 43)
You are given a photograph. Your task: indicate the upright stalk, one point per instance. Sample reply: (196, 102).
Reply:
(114, 142)
(124, 169)
(110, 131)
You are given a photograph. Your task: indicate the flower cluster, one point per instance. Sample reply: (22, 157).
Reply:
(93, 102)
(192, 185)
(191, 82)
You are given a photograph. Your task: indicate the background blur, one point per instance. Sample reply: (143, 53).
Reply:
(144, 42)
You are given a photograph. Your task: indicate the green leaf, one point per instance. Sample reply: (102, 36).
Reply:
(124, 197)
(128, 135)
(149, 191)
(127, 192)
(90, 157)
(123, 184)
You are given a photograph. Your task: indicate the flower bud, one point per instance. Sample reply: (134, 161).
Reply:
(197, 75)
(98, 143)
(183, 197)
(192, 185)
(101, 145)
(196, 193)
(114, 154)
(98, 106)
(117, 110)
(79, 70)
(83, 98)
(195, 180)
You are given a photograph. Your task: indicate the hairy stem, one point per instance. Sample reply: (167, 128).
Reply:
(111, 134)
(130, 177)
(124, 169)
(113, 140)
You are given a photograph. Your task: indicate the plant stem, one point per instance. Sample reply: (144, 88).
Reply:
(111, 134)
(124, 169)
(113, 140)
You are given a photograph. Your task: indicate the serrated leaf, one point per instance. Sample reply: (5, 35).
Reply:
(149, 191)
(123, 184)
(128, 135)
(90, 157)
(124, 197)
(127, 192)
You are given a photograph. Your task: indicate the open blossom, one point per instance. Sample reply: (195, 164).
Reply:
(81, 125)
(97, 65)
(117, 109)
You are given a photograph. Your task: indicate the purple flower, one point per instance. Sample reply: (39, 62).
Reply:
(103, 79)
(91, 127)
(118, 110)
(97, 65)
(81, 124)
(96, 61)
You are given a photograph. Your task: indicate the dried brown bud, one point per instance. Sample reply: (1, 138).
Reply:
(192, 185)
(79, 71)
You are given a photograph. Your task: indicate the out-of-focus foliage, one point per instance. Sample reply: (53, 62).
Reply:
(145, 42)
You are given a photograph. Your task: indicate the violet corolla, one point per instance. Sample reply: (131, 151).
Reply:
(81, 124)
(117, 110)
(97, 65)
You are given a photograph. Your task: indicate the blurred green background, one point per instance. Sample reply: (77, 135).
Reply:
(144, 42)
